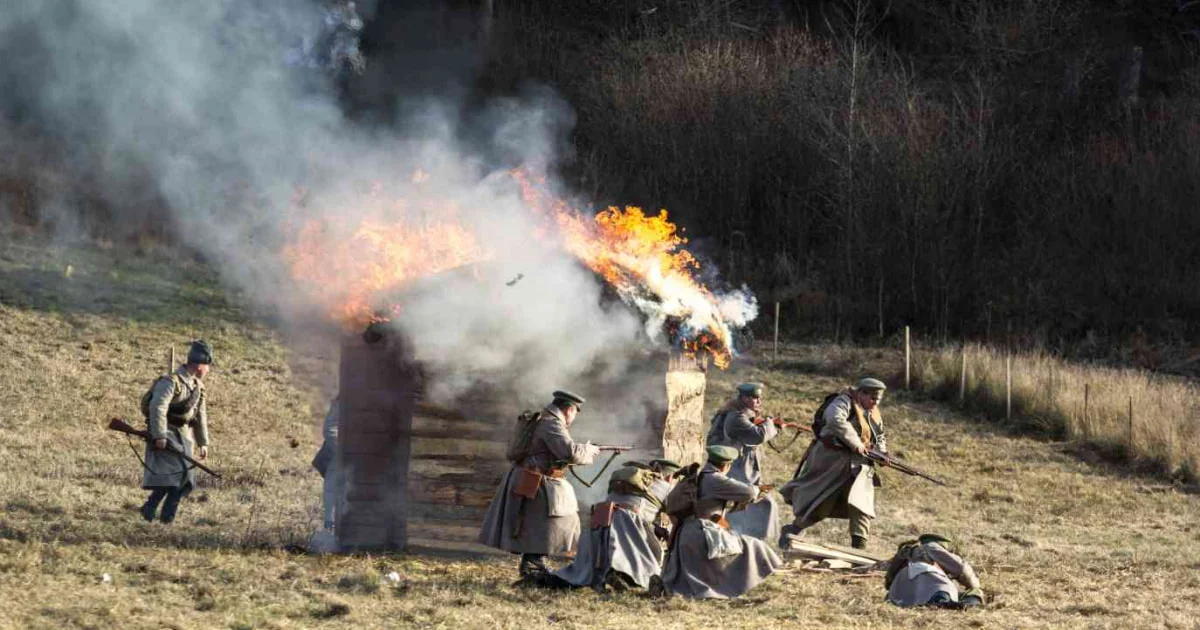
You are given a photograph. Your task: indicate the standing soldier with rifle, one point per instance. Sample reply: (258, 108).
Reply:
(836, 478)
(175, 409)
(535, 512)
(738, 424)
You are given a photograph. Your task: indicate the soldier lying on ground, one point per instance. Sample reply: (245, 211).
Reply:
(835, 478)
(623, 546)
(923, 571)
(535, 512)
(739, 425)
(173, 408)
(705, 559)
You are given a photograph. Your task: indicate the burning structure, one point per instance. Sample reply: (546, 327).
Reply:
(605, 304)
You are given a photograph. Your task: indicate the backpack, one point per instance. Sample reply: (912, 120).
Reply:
(818, 422)
(681, 501)
(633, 480)
(179, 409)
(521, 440)
(899, 561)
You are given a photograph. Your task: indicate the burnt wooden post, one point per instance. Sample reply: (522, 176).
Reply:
(377, 397)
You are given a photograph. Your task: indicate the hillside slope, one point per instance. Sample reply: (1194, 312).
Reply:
(1061, 543)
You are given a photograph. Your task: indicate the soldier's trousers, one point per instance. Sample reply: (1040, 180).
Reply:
(169, 506)
(860, 524)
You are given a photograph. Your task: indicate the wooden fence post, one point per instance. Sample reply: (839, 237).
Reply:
(1087, 428)
(171, 359)
(1130, 427)
(777, 331)
(907, 359)
(1008, 386)
(962, 378)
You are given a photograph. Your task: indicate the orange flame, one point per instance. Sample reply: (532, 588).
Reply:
(348, 268)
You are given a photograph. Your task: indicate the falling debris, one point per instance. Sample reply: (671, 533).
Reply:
(514, 280)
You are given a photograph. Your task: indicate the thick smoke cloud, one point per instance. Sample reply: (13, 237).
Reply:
(222, 111)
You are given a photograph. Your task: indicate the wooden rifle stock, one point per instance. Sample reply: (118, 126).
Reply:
(119, 425)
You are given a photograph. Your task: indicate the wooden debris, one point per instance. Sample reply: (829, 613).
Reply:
(819, 552)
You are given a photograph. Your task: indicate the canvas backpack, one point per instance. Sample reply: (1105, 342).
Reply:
(818, 422)
(520, 442)
(180, 409)
(633, 480)
(681, 501)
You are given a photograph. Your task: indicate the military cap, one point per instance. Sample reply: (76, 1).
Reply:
(719, 454)
(867, 383)
(753, 390)
(568, 398)
(200, 352)
(665, 465)
(925, 539)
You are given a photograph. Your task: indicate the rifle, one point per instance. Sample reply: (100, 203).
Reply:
(117, 424)
(880, 457)
(613, 447)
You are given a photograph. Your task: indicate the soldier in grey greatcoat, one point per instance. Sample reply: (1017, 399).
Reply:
(624, 543)
(325, 461)
(923, 573)
(707, 560)
(535, 512)
(175, 413)
(836, 479)
(738, 424)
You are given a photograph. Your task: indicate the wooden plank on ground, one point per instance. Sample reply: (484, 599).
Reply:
(820, 552)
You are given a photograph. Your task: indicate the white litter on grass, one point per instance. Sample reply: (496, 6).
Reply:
(393, 577)
(106, 579)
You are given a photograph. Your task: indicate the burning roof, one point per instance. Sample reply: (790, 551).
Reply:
(351, 267)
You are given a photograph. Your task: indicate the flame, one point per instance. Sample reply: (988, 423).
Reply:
(349, 275)
(349, 268)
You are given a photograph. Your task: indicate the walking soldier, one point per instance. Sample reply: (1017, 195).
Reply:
(535, 512)
(836, 479)
(175, 412)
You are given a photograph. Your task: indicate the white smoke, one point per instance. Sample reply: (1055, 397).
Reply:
(228, 109)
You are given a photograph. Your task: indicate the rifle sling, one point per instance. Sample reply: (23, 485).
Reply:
(589, 484)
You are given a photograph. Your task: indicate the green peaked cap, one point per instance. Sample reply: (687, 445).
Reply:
(568, 397)
(200, 352)
(718, 454)
(750, 389)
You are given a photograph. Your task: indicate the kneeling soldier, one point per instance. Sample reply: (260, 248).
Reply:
(174, 408)
(623, 546)
(706, 559)
(535, 512)
(923, 571)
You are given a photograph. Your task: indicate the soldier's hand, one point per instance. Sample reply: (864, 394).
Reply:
(861, 450)
(590, 450)
(160, 444)
(202, 452)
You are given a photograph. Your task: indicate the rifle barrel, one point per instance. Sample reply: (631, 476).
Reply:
(117, 424)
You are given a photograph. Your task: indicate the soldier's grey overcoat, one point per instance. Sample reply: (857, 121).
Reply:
(708, 561)
(549, 523)
(734, 426)
(628, 546)
(828, 470)
(185, 430)
(931, 569)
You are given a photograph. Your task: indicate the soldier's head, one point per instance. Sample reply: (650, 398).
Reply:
(664, 467)
(750, 395)
(721, 457)
(868, 392)
(199, 358)
(569, 404)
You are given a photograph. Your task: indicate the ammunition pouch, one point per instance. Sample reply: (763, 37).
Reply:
(602, 515)
(527, 481)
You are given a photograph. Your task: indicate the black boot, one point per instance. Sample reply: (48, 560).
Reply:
(171, 505)
(532, 563)
(858, 542)
(151, 504)
(789, 534)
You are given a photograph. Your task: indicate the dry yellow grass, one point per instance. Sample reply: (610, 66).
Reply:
(1088, 404)
(1061, 542)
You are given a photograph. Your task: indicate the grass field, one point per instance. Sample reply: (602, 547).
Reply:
(1059, 542)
